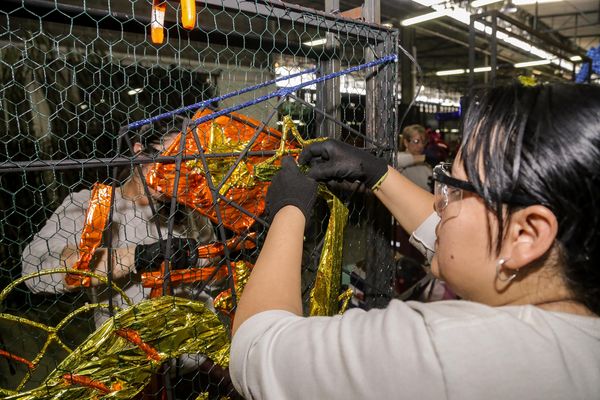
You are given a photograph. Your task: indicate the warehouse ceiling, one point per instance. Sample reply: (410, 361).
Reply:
(564, 29)
(442, 44)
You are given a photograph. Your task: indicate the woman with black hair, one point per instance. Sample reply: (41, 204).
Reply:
(515, 234)
(139, 238)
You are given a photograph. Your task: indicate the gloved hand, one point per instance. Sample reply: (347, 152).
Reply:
(335, 160)
(183, 254)
(291, 187)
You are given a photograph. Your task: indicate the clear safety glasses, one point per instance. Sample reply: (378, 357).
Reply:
(448, 191)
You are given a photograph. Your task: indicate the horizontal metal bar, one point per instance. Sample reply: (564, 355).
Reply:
(546, 40)
(50, 165)
(570, 14)
(109, 19)
(293, 12)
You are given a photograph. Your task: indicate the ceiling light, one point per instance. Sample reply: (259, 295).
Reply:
(529, 2)
(576, 58)
(532, 63)
(482, 69)
(481, 3)
(428, 3)
(317, 42)
(451, 72)
(462, 15)
(134, 91)
(424, 17)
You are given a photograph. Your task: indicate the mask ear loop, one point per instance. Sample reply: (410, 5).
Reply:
(508, 278)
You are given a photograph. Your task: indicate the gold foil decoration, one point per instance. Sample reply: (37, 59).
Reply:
(108, 364)
(224, 301)
(96, 219)
(52, 332)
(324, 294)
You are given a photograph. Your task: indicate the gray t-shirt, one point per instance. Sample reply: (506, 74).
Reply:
(456, 350)
(418, 173)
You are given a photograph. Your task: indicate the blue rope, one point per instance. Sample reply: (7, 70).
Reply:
(285, 91)
(204, 103)
(276, 93)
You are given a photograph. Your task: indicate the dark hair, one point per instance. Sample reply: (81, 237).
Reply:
(154, 133)
(543, 143)
(149, 136)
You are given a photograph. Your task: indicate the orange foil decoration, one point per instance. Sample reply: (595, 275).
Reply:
(246, 186)
(96, 219)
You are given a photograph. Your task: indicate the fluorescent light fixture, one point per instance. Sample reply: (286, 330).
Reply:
(532, 63)
(576, 58)
(460, 14)
(428, 3)
(481, 3)
(135, 91)
(529, 2)
(462, 71)
(451, 72)
(424, 17)
(317, 42)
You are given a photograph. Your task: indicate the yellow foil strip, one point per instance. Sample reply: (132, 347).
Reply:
(324, 295)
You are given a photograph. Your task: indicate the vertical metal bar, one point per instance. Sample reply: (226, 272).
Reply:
(407, 77)
(173, 209)
(380, 127)
(216, 203)
(108, 232)
(328, 92)
(494, 52)
(472, 54)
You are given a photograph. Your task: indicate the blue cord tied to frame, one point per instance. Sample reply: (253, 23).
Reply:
(284, 91)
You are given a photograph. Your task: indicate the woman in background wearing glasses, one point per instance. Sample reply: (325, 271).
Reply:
(411, 162)
(515, 234)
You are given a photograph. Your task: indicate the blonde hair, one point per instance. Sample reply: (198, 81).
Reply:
(409, 130)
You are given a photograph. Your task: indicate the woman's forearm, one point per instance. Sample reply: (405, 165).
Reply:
(275, 280)
(407, 202)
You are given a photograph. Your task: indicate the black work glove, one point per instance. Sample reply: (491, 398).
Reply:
(335, 160)
(291, 187)
(183, 254)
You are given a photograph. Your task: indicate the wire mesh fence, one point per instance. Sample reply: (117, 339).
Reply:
(85, 187)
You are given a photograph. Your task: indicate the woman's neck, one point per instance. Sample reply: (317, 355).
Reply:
(133, 190)
(567, 306)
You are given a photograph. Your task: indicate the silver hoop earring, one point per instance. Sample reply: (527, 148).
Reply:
(499, 265)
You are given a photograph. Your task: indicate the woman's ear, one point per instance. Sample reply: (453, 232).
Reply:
(530, 234)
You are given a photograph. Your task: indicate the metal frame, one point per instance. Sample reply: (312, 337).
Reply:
(547, 43)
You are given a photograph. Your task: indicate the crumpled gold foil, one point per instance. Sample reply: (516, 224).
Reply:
(220, 143)
(241, 273)
(324, 295)
(109, 365)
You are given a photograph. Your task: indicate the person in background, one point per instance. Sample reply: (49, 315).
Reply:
(515, 233)
(139, 239)
(412, 162)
